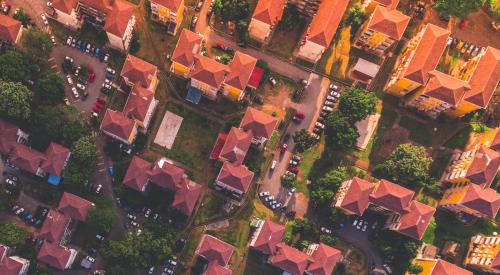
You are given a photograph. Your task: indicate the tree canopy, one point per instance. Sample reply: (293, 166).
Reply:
(85, 151)
(457, 8)
(303, 140)
(12, 235)
(415, 269)
(234, 10)
(15, 100)
(37, 43)
(22, 16)
(323, 190)
(15, 67)
(50, 89)
(339, 132)
(356, 104)
(102, 219)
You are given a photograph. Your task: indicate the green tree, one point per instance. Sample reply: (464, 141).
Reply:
(303, 140)
(288, 180)
(356, 104)
(355, 18)
(225, 58)
(50, 89)
(329, 240)
(102, 219)
(234, 10)
(217, 7)
(407, 165)
(12, 235)
(415, 269)
(15, 100)
(457, 8)
(75, 175)
(85, 151)
(495, 8)
(37, 43)
(340, 133)
(321, 196)
(22, 16)
(15, 67)
(324, 189)
(135, 44)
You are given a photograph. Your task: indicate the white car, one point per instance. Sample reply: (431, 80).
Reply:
(333, 87)
(263, 194)
(69, 58)
(44, 19)
(132, 217)
(327, 108)
(151, 270)
(106, 86)
(320, 125)
(90, 259)
(110, 71)
(355, 223)
(80, 86)
(315, 136)
(75, 92)
(334, 94)
(326, 230)
(19, 211)
(331, 98)
(134, 224)
(98, 189)
(148, 212)
(68, 41)
(364, 227)
(53, 38)
(70, 81)
(106, 58)
(328, 103)
(274, 164)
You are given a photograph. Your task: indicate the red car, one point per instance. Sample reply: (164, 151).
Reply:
(299, 115)
(101, 100)
(99, 105)
(92, 77)
(96, 110)
(283, 147)
(293, 169)
(90, 69)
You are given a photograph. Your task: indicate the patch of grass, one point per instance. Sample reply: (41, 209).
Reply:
(439, 164)
(210, 209)
(429, 235)
(419, 132)
(387, 120)
(186, 257)
(117, 101)
(287, 36)
(116, 59)
(459, 140)
(135, 2)
(306, 164)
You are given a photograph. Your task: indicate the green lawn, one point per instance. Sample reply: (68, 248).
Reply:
(387, 120)
(210, 209)
(193, 238)
(287, 35)
(117, 101)
(439, 164)
(419, 132)
(460, 139)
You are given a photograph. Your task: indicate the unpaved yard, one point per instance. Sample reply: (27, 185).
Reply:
(167, 132)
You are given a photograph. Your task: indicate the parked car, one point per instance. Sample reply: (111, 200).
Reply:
(333, 87)
(106, 58)
(293, 169)
(80, 86)
(263, 194)
(98, 189)
(6, 7)
(53, 39)
(283, 148)
(258, 100)
(329, 103)
(69, 80)
(326, 230)
(90, 259)
(319, 125)
(75, 92)
(198, 6)
(327, 108)
(193, 23)
(148, 213)
(273, 81)
(132, 217)
(68, 40)
(99, 238)
(44, 20)
(291, 191)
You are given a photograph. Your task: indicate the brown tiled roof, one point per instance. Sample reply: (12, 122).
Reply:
(269, 236)
(172, 5)
(139, 71)
(9, 28)
(236, 176)
(54, 255)
(495, 143)
(138, 103)
(415, 221)
(496, 262)
(166, 174)
(390, 4)
(118, 18)
(213, 249)
(137, 174)
(357, 196)
(325, 259)
(485, 201)
(236, 146)
(186, 196)
(54, 225)
(215, 269)
(188, 45)
(74, 207)
(326, 21)
(9, 266)
(427, 54)
(56, 156)
(391, 196)
(65, 6)
(26, 158)
(290, 259)
(446, 88)
(269, 11)
(8, 136)
(209, 71)
(389, 22)
(484, 166)
(484, 79)
(260, 123)
(445, 268)
(241, 68)
(118, 124)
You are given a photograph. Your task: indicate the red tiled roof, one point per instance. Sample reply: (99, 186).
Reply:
(186, 196)
(118, 18)
(26, 158)
(74, 207)
(236, 176)
(260, 123)
(255, 78)
(209, 71)
(138, 103)
(54, 226)
(495, 144)
(269, 11)
(8, 138)
(357, 196)
(241, 68)
(56, 159)
(172, 5)
(215, 269)
(118, 124)
(139, 71)
(326, 21)
(484, 166)
(9, 28)
(484, 79)
(137, 174)
(445, 268)
(100, 5)
(485, 201)
(269, 236)
(325, 259)
(496, 262)
(219, 143)
(65, 6)
(9, 266)
(54, 255)
(236, 146)
(392, 23)
(290, 259)
(390, 4)
(446, 88)
(415, 221)
(166, 174)
(391, 196)
(213, 249)
(427, 54)
(188, 45)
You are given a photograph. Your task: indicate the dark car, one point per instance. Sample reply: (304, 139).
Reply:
(258, 100)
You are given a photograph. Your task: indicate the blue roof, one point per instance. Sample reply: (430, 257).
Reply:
(194, 95)
(54, 180)
(171, 27)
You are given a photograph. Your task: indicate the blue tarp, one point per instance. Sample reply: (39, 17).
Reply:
(54, 180)
(194, 95)
(171, 27)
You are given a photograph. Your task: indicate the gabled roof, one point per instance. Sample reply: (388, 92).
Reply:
(54, 255)
(241, 68)
(8, 138)
(495, 143)
(26, 158)
(9, 28)
(186, 196)
(236, 176)
(213, 249)
(390, 4)
(65, 6)
(427, 54)
(139, 71)
(391, 196)
(258, 122)
(172, 5)
(56, 156)
(269, 11)
(357, 197)
(118, 124)
(188, 45)
(484, 166)
(54, 226)
(485, 201)
(445, 268)
(74, 207)
(214, 268)
(392, 23)
(326, 21)
(415, 221)
(118, 17)
(138, 103)
(236, 146)
(325, 259)
(137, 174)
(290, 259)
(209, 71)
(166, 174)
(9, 266)
(446, 88)
(496, 262)
(485, 78)
(269, 236)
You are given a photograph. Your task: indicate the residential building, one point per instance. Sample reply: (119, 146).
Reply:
(241, 68)
(116, 17)
(10, 136)
(306, 7)
(216, 253)
(74, 207)
(290, 259)
(236, 146)
(11, 31)
(118, 126)
(140, 106)
(55, 228)
(471, 199)
(56, 256)
(168, 12)
(136, 71)
(207, 76)
(187, 47)
(370, 5)
(319, 34)
(234, 179)
(186, 196)
(260, 124)
(439, 267)
(382, 30)
(265, 17)
(137, 176)
(12, 265)
(483, 254)
(266, 236)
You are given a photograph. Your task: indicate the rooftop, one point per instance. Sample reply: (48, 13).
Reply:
(326, 21)
(258, 122)
(74, 207)
(269, 11)
(213, 249)
(188, 45)
(139, 71)
(236, 176)
(392, 23)
(9, 28)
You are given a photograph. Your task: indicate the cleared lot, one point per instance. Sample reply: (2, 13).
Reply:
(168, 130)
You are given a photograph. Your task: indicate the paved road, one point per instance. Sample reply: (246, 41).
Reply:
(34, 8)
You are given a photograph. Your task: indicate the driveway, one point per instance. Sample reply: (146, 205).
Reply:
(34, 8)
